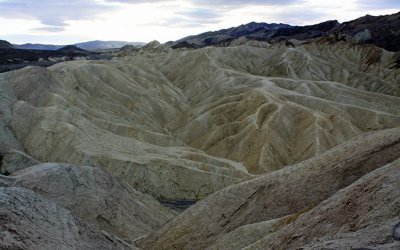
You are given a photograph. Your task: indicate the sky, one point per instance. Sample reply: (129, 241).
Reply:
(73, 21)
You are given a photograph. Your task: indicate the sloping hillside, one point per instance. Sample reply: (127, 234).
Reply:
(181, 125)
(345, 198)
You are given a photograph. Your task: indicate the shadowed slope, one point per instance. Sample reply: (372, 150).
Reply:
(270, 202)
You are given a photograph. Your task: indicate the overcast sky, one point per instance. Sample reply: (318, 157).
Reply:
(71, 21)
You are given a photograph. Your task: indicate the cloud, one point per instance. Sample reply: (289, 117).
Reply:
(167, 19)
(217, 3)
(55, 14)
(382, 4)
(52, 13)
(189, 18)
(237, 3)
(199, 15)
(138, 1)
(50, 38)
(213, 3)
(52, 29)
(299, 16)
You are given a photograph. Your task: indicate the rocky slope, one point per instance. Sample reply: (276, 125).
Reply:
(28, 221)
(181, 125)
(96, 204)
(382, 31)
(346, 197)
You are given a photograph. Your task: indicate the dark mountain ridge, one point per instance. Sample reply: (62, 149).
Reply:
(297, 32)
(211, 37)
(5, 45)
(382, 31)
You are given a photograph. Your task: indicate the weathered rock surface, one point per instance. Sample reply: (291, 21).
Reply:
(7, 99)
(84, 206)
(180, 125)
(248, 234)
(28, 221)
(96, 197)
(396, 232)
(14, 161)
(287, 198)
(361, 215)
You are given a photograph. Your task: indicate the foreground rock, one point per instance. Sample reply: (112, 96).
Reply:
(14, 161)
(28, 221)
(69, 198)
(301, 204)
(362, 215)
(97, 198)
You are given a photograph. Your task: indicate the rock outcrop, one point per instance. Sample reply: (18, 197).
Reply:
(96, 197)
(382, 31)
(14, 161)
(5, 45)
(72, 49)
(362, 216)
(74, 207)
(28, 221)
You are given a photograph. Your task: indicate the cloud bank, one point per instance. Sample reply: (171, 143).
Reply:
(55, 14)
(141, 20)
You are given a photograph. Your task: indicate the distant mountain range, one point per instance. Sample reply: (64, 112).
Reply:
(91, 45)
(37, 46)
(382, 31)
(12, 58)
